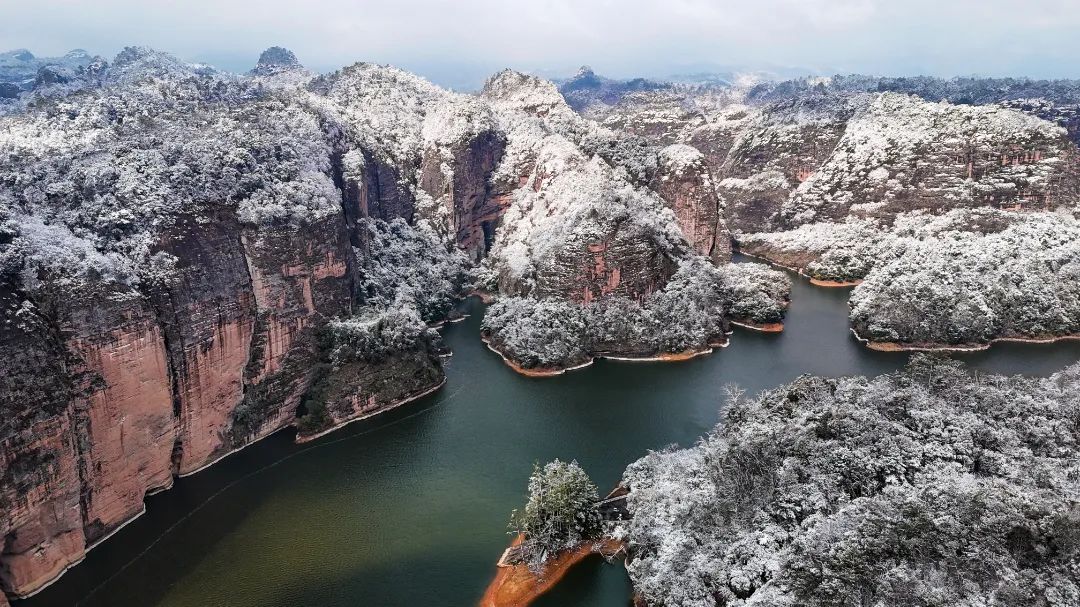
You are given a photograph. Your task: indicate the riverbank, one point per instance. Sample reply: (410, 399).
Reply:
(515, 585)
(767, 327)
(301, 439)
(890, 346)
(817, 282)
(554, 371)
(834, 284)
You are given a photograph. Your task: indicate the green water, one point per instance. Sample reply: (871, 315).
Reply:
(409, 508)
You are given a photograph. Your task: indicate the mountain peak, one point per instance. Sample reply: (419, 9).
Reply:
(275, 60)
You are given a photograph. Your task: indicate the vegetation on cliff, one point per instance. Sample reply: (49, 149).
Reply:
(966, 277)
(561, 512)
(691, 313)
(929, 486)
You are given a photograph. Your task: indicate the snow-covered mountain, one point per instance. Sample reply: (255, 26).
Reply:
(211, 256)
(830, 175)
(201, 253)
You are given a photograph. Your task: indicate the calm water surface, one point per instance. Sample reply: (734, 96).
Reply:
(410, 508)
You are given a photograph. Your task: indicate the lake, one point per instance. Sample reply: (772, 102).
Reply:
(410, 507)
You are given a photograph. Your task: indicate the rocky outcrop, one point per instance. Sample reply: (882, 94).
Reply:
(125, 423)
(113, 392)
(462, 147)
(373, 188)
(208, 314)
(299, 278)
(684, 182)
(614, 262)
(275, 60)
(39, 468)
(901, 154)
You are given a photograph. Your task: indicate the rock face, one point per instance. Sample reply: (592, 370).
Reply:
(152, 349)
(462, 147)
(40, 488)
(275, 59)
(684, 182)
(161, 385)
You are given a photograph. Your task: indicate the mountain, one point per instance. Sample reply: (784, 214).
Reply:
(585, 88)
(859, 179)
(191, 260)
(20, 70)
(930, 485)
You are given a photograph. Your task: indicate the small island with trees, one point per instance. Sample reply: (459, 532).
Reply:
(561, 525)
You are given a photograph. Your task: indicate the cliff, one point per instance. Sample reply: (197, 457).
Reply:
(949, 203)
(184, 324)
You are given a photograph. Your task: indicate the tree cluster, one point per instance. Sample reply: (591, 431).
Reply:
(933, 485)
(561, 512)
(690, 313)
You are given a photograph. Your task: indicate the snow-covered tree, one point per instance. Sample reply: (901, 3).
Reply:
(933, 485)
(561, 512)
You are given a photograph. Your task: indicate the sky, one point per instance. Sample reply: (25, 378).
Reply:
(458, 42)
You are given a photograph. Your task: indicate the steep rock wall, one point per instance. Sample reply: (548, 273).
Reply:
(208, 311)
(125, 423)
(41, 522)
(617, 262)
(684, 182)
(456, 176)
(111, 393)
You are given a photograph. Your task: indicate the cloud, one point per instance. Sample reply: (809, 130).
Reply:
(446, 39)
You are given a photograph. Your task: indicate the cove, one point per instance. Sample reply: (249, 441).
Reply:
(410, 507)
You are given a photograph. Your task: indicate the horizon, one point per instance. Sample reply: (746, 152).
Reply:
(473, 80)
(459, 45)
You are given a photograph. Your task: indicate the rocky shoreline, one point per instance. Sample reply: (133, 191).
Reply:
(768, 327)
(306, 438)
(515, 585)
(661, 357)
(885, 346)
(817, 282)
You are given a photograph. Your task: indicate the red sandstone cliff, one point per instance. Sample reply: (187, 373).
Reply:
(112, 392)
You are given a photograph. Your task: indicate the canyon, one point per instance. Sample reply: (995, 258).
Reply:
(116, 384)
(188, 258)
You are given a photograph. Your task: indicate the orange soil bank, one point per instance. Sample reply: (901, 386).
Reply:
(819, 282)
(768, 327)
(516, 586)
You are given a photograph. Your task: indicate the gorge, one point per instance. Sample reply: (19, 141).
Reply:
(194, 262)
(409, 506)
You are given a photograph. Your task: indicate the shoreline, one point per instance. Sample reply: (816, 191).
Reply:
(301, 439)
(516, 586)
(485, 297)
(556, 371)
(768, 327)
(233, 451)
(892, 346)
(880, 346)
(835, 284)
(817, 282)
(259, 437)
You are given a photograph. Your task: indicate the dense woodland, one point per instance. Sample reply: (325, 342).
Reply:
(690, 314)
(962, 278)
(933, 485)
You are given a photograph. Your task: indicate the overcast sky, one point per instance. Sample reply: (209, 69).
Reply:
(455, 42)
